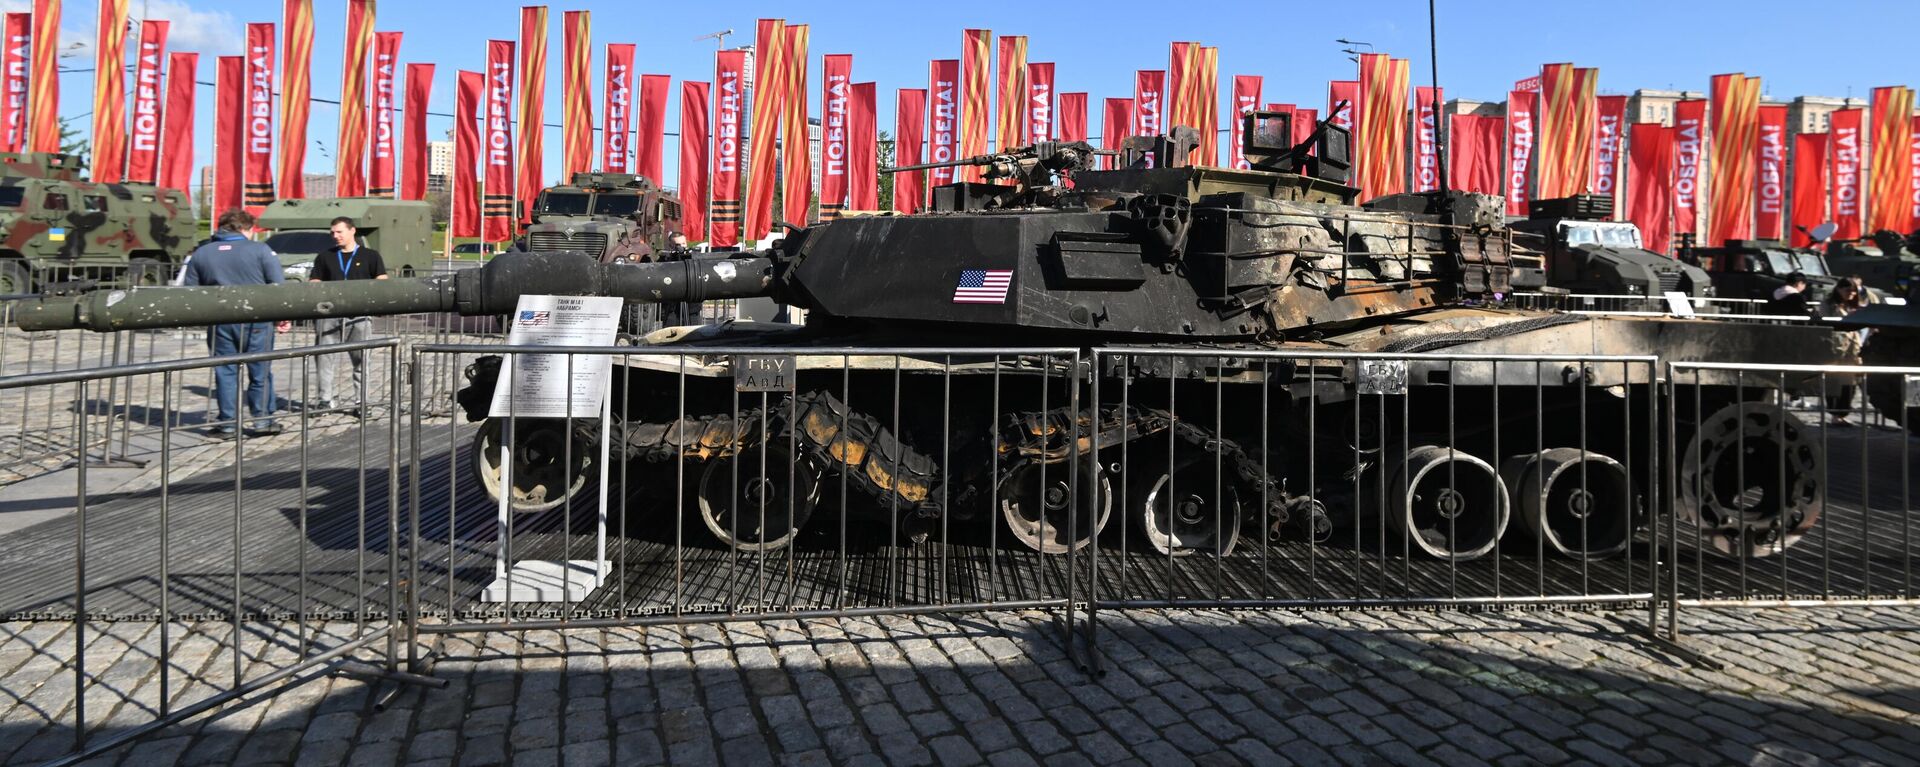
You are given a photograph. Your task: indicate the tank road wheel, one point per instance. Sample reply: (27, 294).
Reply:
(1447, 504)
(1179, 513)
(14, 279)
(1039, 511)
(1732, 485)
(1579, 505)
(753, 511)
(539, 463)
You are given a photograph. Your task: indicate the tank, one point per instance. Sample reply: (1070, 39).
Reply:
(1586, 253)
(57, 227)
(1151, 253)
(614, 217)
(300, 230)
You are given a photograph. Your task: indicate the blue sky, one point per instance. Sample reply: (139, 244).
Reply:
(1797, 48)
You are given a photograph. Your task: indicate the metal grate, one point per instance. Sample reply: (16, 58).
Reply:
(592, 243)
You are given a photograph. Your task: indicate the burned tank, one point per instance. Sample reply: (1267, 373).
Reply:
(1153, 253)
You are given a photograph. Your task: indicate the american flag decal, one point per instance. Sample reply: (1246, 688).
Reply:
(533, 318)
(983, 286)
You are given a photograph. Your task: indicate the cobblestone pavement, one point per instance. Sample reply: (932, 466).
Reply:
(1381, 687)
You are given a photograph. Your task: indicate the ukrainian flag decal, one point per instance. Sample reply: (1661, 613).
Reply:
(56, 235)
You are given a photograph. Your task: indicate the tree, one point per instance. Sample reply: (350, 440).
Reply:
(884, 149)
(441, 203)
(72, 143)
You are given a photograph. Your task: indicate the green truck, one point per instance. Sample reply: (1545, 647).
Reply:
(402, 230)
(56, 226)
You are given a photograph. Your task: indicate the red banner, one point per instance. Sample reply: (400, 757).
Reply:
(1473, 164)
(350, 174)
(769, 87)
(110, 93)
(1380, 159)
(1073, 117)
(576, 132)
(43, 85)
(1913, 170)
(1305, 120)
(1149, 102)
(386, 65)
(1809, 187)
(176, 134)
(1011, 118)
(650, 144)
(464, 216)
(943, 126)
(796, 152)
(1736, 120)
(1650, 184)
(1844, 166)
(1689, 134)
(296, 95)
(1246, 98)
(529, 177)
(1039, 114)
(974, 114)
(1206, 104)
(259, 169)
(863, 180)
(1771, 200)
(13, 82)
(618, 108)
(1349, 92)
(1892, 168)
(415, 163)
(909, 131)
(1519, 154)
(496, 184)
(1427, 103)
(836, 88)
(1182, 61)
(1116, 126)
(143, 141)
(229, 133)
(695, 157)
(730, 82)
(1564, 149)
(1608, 140)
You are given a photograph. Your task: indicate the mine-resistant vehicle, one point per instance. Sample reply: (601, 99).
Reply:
(1153, 254)
(614, 217)
(56, 226)
(1586, 253)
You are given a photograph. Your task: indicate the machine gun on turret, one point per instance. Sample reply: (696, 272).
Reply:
(1025, 176)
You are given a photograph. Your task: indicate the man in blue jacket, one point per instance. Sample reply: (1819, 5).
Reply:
(231, 258)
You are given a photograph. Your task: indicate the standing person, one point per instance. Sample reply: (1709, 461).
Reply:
(1791, 298)
(1843, 300)
(346, 260)
(231, 258)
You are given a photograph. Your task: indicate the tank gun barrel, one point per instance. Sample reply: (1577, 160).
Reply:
(491, 289)
(1060, 153)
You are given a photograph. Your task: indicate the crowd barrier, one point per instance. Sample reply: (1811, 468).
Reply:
(742, 483)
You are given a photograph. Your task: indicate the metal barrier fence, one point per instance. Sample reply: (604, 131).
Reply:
(1325, 479)
(159, 585)
(1819, 513)
(723, 484)
(1749, 309)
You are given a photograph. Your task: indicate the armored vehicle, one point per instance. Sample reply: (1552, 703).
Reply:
(56, 226)
(1755, 268)
(402, 230)
(1585, 253)
(1155, 254)
(614, 217)
(1888, 264)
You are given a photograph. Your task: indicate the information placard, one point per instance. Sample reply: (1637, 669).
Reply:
(536, 385)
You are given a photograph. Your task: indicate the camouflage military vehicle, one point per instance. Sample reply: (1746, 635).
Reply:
(402, 230)
(56, 226)
(1887, 264)
(1755, 268)
(614, 217)
(1586, 253)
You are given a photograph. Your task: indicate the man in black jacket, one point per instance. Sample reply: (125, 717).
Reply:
(346, 260)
